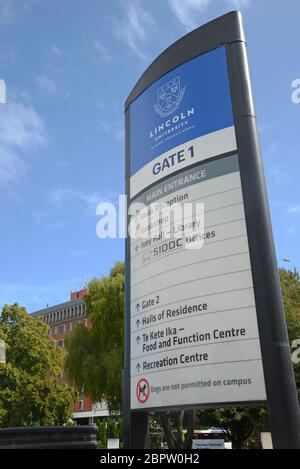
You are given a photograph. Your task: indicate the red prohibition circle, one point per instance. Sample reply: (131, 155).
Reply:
(143, 391)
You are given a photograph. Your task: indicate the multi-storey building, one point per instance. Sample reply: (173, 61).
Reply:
(62, 319)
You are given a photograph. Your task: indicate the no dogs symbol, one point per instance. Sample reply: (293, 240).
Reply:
(142, 391)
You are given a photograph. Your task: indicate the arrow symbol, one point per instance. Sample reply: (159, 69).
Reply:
(138, 339)
(138, 322)
(147, 257)
(138, 367)
(138, 307)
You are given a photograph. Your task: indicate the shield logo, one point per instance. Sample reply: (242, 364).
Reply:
(169, 97)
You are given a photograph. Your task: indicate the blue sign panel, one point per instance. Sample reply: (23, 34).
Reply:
(191, 101)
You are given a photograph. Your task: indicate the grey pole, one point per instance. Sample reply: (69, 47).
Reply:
(282, 399)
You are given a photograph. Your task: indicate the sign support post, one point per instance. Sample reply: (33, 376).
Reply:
(203, 328)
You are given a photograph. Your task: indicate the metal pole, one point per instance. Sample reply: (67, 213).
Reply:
(282, 399)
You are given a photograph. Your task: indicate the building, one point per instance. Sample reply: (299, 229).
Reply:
(62, 319)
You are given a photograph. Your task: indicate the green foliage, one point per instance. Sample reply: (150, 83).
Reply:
(244, 424)
(95, 357)
(101, 436)
(30, 393)
(290, 286)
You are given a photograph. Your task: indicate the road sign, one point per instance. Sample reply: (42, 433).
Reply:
(204, 315)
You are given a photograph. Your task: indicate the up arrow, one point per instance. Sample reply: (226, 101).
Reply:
(138, 322)
(138, 307)
(138, 339)
(138, 367)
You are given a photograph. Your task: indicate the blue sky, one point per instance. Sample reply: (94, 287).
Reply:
(69, 66)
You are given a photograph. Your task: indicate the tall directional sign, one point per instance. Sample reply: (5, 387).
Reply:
(204, 315)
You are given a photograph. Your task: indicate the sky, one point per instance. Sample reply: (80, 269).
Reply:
(68, 66)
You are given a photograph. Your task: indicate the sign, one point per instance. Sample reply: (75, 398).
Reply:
(194, 332)
(205, 324)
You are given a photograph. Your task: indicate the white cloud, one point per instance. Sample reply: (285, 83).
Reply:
(291, 231)
(189, 12)
(22, 131)
(61, 198)
(136, 27)
(115, 130)
(47, 85)
(12, 168)
(279, 176)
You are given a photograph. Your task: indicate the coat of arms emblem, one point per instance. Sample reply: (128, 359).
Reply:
(169, 97)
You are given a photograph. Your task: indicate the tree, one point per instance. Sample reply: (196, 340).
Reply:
(101, 436)
(95, 357)
(241, 424)
(30, 392)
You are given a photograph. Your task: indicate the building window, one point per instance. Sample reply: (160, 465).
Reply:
(61, 343)
(70, 326)
(62, 329)
(55, 330)
(81, 404)
(50, 331)
(79, 310)
(85, 322)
